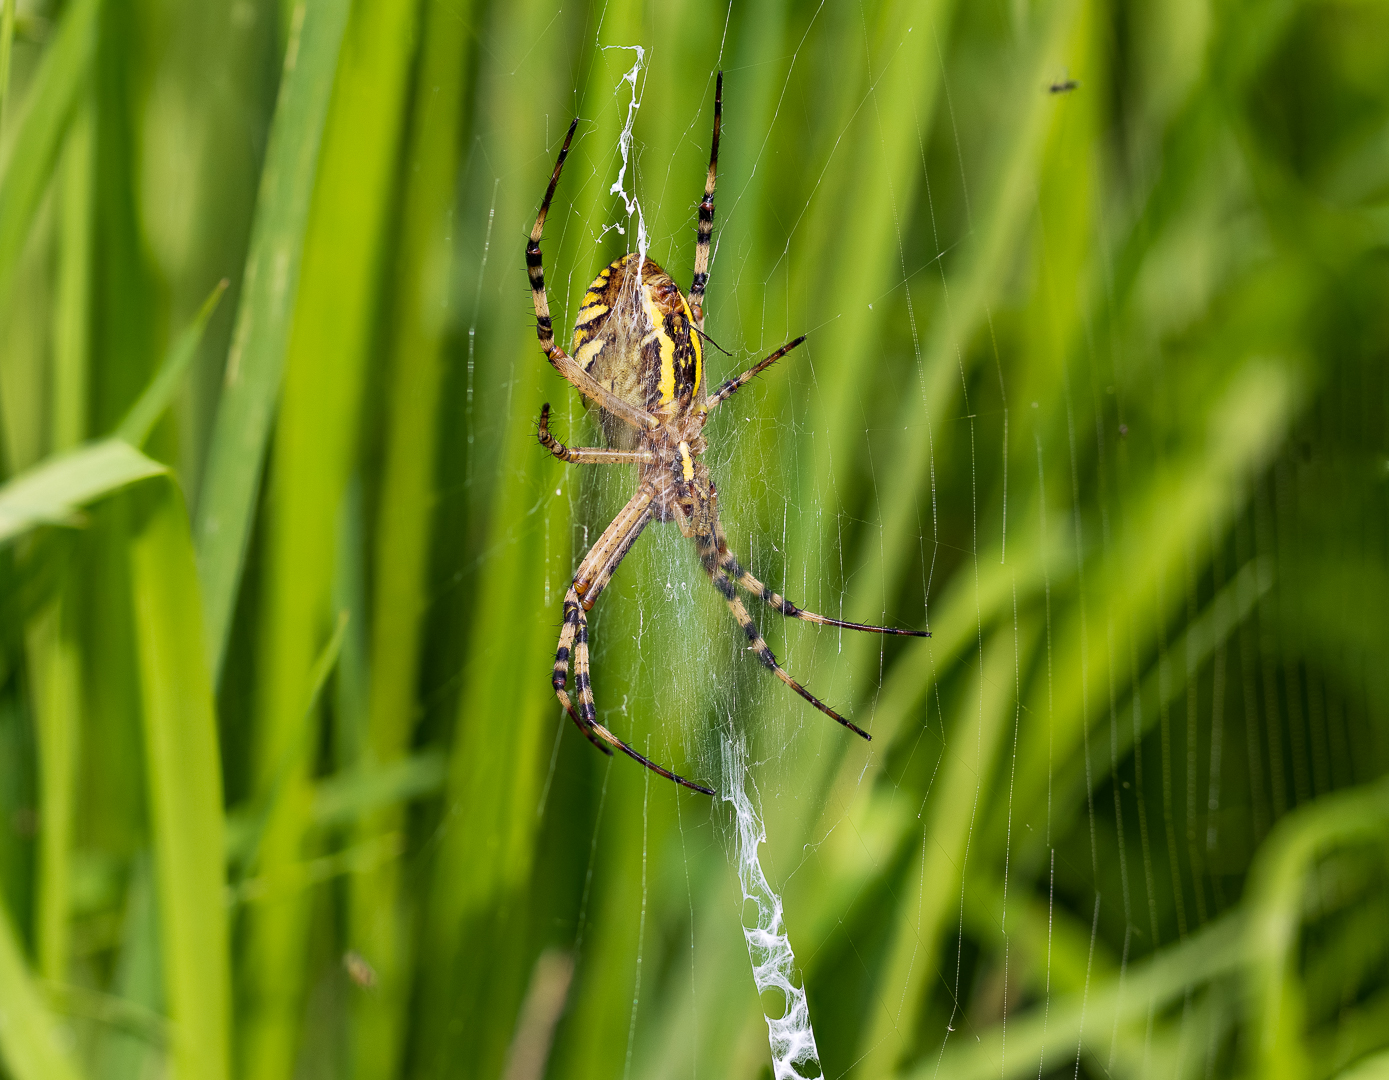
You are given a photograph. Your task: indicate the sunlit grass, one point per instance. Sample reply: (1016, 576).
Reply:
(1094, 389)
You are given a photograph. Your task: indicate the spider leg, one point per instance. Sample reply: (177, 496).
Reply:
(588, 713)
(764, 653)
(779, 603)
(585, 455)
(572, 617)
(729, 563)
(732, 386)
(582, 381)
(704, 231)
(592, 578)
(706, 537)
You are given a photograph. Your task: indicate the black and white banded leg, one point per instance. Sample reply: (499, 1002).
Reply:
(593, 575)
(704, 230)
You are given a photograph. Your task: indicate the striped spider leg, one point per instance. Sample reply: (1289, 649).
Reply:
(587, 455)
(729, 564)
(704, 231)
(704, 528)
(592, 577)
(732, 386)
(582, 381)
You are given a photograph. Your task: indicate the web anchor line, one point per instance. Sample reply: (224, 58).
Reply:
(792, 1039)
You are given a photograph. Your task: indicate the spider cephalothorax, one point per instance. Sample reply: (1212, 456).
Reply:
(637, 356)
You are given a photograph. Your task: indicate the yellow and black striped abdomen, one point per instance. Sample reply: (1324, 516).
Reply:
(635, 336)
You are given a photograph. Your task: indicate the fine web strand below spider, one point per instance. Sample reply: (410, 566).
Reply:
(792, 1039)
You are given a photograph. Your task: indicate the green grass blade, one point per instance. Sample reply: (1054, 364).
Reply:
(960, 798)
(55, 686)
(1276, 899)
(54, 490)
(248, 838)
(143, 415)
(55, 671)
(316, 450)
(6, 48)
(1373, 1067)
(236, 455)
(342, 799)
(30, 1044)
(51, 101)
(73, 302)
(978, 280)
(867, 229)
(1092, 1016)
(423, 302)
(121, 1054)
(182, 762)
(53, 641)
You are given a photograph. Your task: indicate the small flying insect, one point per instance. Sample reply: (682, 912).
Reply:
(1063, 86)
(637, 355)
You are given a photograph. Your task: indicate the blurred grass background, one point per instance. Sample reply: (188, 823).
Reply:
(1095, 389)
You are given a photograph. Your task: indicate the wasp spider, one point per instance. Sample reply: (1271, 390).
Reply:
(637, 356)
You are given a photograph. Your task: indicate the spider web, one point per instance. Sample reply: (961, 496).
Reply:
(1052, 782)
(791, 1038)
(699, 620)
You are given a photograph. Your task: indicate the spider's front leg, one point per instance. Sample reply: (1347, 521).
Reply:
(592, 578)
(704, 231)
(582, 381)
(732, 386)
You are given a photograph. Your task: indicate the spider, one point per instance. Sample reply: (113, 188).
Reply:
(637, 356)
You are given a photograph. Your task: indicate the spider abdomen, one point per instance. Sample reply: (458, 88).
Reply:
(635, 335)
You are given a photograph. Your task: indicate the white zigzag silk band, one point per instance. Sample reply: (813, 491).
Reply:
(794, 1056)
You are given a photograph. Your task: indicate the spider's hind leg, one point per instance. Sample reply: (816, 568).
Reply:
(590, 580)
(573, 616)
(588, 712)
(777, 602)
(729, 564)
(707, 543)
